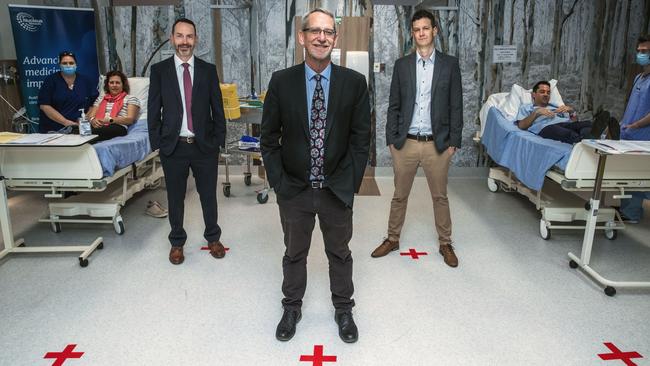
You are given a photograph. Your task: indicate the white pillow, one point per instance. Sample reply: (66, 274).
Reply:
(139, 87)
(518, 96)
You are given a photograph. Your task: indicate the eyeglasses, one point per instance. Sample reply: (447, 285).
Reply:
(329, 33)
(66, 53)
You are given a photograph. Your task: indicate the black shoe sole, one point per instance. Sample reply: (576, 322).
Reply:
(349, 340)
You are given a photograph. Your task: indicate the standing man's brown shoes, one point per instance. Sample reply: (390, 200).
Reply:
(216, 249)
(176, 255)
(447, 252)
(384, 248)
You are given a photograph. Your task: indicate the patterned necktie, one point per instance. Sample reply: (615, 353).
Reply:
(187, 87)
(318, 118)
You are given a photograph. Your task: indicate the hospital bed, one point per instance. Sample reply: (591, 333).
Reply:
(548, 171)
(103, 176)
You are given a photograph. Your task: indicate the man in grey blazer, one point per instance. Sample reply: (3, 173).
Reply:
(424, 128)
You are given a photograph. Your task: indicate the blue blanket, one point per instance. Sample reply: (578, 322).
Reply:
(527, 155)
(120, 152)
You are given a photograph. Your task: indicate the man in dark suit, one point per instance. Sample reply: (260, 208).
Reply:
(315, 139)
(187, 123)
(423, 128)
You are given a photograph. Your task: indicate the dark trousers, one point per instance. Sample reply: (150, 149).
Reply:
(204, 168)
(108, 132)
(297, 215)
(569, 132)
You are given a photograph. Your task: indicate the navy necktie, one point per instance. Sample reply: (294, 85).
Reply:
(318, 118)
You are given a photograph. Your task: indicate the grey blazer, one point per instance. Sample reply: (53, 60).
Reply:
(446, 102)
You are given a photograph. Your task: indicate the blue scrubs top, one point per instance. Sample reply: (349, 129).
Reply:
(637, 107)
(55, 93)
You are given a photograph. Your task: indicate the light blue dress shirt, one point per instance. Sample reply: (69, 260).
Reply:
(421, 122)
(311, 86)
(310, 81)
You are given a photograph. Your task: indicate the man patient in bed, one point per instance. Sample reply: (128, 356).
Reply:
(559, 122)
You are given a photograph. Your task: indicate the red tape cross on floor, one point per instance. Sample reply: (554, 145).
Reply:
(414, 253)
(62, 356)
(317, 358)
(208, 248)
(618, 355)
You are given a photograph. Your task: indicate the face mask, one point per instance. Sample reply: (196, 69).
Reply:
(643, 59)
(68, 70)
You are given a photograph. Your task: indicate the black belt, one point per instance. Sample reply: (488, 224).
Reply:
(186, 139)
(420, 137)
(318, 184)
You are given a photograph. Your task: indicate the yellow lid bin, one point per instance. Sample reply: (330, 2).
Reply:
(230, 100)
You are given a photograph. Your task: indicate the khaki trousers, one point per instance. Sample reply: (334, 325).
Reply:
(436, 168)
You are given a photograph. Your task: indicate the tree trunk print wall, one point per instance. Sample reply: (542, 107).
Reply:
(588, 45)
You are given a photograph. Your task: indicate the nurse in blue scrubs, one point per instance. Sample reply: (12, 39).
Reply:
(63, 94)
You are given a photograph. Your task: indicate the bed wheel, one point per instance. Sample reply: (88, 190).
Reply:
(492, 184)
(610, 291)
(573, 264)
(118, 225)
(56, 227)
(611, 234)
(544, 231)
(247, 179)
(262, 197)
(100, 246)
(83, 262)
(226, 191)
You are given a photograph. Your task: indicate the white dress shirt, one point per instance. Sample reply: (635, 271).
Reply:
(185, 132)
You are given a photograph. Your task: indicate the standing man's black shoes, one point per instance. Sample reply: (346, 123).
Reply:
(287, 326)
(347, 329)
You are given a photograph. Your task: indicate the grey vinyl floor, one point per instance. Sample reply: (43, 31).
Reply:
(512, 301)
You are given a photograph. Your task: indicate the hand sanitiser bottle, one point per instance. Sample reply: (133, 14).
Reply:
(84, 125)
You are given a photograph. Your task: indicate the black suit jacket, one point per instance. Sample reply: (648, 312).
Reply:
(285, 130)
(446, 101)
(165, 107)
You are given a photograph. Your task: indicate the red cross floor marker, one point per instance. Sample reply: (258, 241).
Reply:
(414, 253)
(317, 358)
(618, 355)
(208, 248)
(62, 356)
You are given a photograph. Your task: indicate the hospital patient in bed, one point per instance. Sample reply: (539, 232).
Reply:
(113, 112)
(559, 122)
